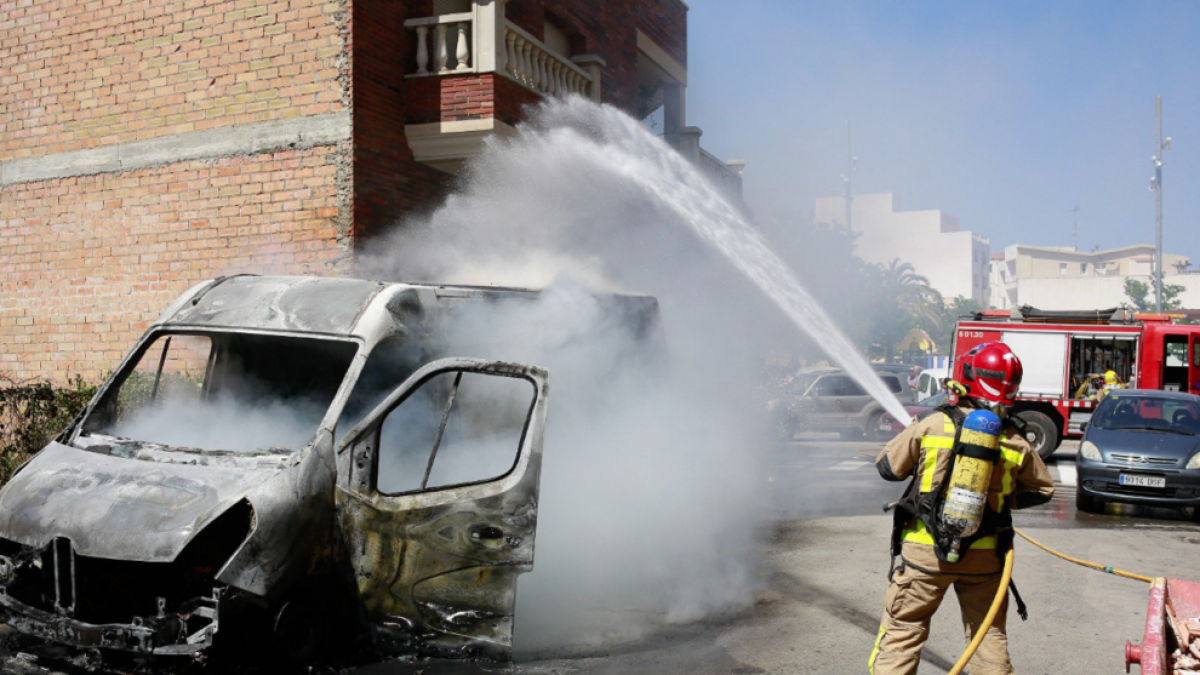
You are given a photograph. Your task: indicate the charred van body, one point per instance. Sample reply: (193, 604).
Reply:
(289, 459)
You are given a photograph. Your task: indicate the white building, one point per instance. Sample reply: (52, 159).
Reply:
(1063, 278)
(954, 261)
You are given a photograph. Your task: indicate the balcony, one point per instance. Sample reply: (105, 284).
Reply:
(474, 72)
(470, 70)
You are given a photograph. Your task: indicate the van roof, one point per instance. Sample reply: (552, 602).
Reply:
(328, 305)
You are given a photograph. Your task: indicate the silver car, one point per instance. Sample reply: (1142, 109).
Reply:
(827, 399)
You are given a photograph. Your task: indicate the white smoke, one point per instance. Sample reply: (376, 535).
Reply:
(651, 491)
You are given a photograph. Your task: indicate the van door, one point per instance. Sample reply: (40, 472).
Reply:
(437, 505)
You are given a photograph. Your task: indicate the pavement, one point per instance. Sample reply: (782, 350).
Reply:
(824, 569)
(824, 575)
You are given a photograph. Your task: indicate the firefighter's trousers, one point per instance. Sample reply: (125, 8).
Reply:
(913, 597)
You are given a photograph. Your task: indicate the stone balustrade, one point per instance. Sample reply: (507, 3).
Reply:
(444, 47)
(533, 64)
(450, 37)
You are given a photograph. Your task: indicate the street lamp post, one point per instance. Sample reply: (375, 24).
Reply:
(851, 165)
(1160, 146)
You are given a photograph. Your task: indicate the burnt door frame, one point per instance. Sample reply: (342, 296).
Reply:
(436, 569)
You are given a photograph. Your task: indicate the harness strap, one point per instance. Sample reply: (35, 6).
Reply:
(1021, 609)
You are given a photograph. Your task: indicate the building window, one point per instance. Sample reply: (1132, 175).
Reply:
(1062, 269)
(557, 40)
(1083, 269)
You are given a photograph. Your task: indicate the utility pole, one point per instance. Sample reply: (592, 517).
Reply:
(851, 165)
(1160, 145)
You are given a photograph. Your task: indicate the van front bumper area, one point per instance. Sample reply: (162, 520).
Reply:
(157, 636)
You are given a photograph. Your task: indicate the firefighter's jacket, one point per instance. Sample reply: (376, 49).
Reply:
(1019, 480)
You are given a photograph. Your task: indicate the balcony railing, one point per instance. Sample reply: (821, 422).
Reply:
(443, 47)
(451, 38)
(529, 61)
(726, 175)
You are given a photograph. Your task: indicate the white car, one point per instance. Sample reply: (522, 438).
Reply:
(929, 382)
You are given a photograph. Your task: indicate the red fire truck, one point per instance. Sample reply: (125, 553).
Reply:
(1066, 353)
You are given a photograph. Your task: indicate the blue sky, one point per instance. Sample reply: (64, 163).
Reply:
(1005, 114)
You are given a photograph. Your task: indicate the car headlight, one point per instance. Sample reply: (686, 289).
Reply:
(1194, 462)
(1091, 452)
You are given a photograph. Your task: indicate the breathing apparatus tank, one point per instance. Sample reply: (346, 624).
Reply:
(967, 491)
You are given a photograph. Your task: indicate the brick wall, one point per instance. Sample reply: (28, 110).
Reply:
(80, 73)
(388, 182)
(452, 98)
(89, 261)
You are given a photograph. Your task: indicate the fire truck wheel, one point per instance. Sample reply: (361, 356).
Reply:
(1040, 432)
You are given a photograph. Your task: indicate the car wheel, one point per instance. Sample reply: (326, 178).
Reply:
(301, 633)
(1196, 514)
(786, 427)
(873, 432)
(1087, 503)
(1040, 432)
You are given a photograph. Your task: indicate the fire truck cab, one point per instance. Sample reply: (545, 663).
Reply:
(1066, 354)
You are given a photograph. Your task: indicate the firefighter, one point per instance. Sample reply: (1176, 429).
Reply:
(1111, 382)
(921, 573)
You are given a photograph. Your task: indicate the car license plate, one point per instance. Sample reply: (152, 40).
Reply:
(885, 426)
(1143, 481)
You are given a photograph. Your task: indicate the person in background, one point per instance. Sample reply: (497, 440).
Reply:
(1111, 383)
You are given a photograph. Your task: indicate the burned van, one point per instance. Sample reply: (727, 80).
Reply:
(295, 463)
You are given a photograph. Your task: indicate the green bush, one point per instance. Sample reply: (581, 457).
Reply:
(31, 413)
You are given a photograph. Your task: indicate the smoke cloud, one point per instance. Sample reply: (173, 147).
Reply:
(652, 491)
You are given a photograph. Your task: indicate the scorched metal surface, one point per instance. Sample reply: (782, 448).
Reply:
(134, 544)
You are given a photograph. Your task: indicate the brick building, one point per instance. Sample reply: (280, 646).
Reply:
(148, 144)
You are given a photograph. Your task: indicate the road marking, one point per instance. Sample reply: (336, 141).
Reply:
(848, 465)
(1066, 473)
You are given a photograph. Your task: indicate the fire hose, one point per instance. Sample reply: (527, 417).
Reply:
(1002, 591)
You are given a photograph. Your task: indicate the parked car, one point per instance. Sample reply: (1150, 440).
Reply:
(827, 399)
(907, 394)
(291, 464)
(889, 426)
(929, 382)
(1142, 446)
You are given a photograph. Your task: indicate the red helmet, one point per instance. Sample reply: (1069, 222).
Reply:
(992, 372)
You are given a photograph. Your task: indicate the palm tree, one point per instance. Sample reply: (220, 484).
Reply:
(911, 291)
(904, 300)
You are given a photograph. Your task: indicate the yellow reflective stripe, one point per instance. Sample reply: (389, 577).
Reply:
(948, 424)
(931, 445)
(931, 455)
(919, 534)
(1012, 461)
(1014, 457)
(875, 651)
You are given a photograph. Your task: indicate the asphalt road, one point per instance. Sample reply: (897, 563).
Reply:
(824, 573)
